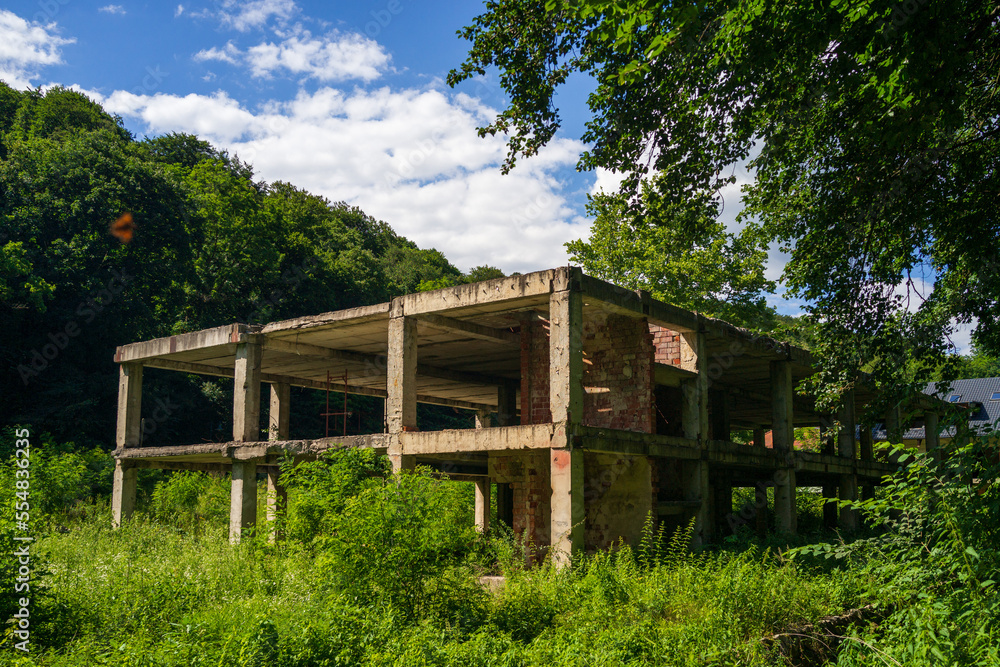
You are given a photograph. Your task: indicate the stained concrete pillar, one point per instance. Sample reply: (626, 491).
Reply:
(505, 504)
(783, 434)
(567, 507)
(123, 492)
(243, 500)
(695, 424)
(278, 416)
(278, 429)
(246, 428)
(246, 392)
(401, 385)
(722, 502)
(866, 443)
(694, 411)
(932, 432)
(830, 487)
(482, 505)
(483, 418)
(760, 437)
(894, 425)
(507, 404)
(720, 426)
(277, 501)
(566, 356)
(847, 448)
(128, 434)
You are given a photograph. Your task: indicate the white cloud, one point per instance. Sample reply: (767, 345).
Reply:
(112, 9)
(227, 54)
(244, 16)
(333, 57)
(409, 157)
(26, 47)
(178, 11)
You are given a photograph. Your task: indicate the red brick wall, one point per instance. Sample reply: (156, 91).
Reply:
(535, 372)
(618, 373)
(528, 475)
(618, 357)
(667, 344)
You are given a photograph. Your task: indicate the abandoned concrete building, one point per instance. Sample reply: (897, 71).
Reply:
(595, 405)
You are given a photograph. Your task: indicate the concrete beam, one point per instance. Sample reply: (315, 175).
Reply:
(476, 294)
(123, 492)
(228, 334)
(470, 329)
(567, 506)
(246, 393)
(243, 499)
(512, 438)
(348, 316)
(566, 356)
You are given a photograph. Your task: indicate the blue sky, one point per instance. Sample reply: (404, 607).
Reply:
(345, 99)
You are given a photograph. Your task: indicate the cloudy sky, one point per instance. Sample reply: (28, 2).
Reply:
(345, 99)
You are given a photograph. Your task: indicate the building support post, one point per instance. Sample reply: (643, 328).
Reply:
(695, 424)
(401, 385)
(783, 432)
(482, 505)
(847, 448)
(278, 429)
(483, 418)
(246, 428)
(566, 521)
(760, 437)
(128, 434)
(507, 404)
(932, 434)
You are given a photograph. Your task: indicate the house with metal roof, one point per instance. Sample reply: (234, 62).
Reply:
(979, 397)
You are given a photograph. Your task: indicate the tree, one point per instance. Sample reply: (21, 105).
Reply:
(680, 256)
(872, 129)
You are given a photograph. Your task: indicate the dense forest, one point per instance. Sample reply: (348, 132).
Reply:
(201, 244)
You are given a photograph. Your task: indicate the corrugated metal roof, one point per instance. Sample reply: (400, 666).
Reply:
(977, 391)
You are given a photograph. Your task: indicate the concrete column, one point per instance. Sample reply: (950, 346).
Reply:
(867, 446)
(893, 425)
(567, 514)
(123, 493)
(932, 431)
(243, 499)
(483, 419)
(278, 420)
(847, 448)
(721, 429)
(566, 356)
(507, 404)
(246, 392)
(783, 434)
(129, 405)
(401, 387)
(694, 412)
(277, 501)
(128, 434)
(760, 438)
(722, 501)
(482, 505)
(830, 516)
(505, 505)
(696, 485)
